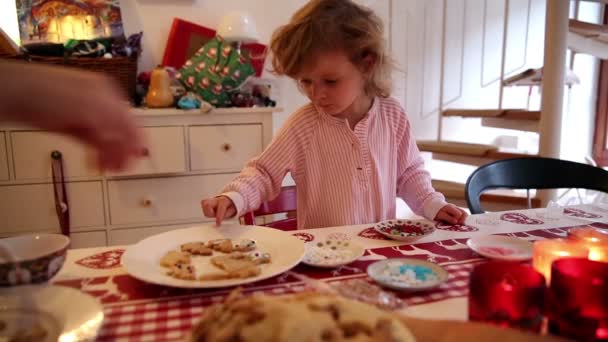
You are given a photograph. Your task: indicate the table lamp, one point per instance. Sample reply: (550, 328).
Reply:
(238, 28)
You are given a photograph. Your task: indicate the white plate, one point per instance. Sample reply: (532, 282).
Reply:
(405, 230)
(501, 247)
(63, 313)
(142, 260)
(407, 274)
(332, 253)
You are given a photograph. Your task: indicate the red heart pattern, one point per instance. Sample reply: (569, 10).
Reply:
(519, 218)
(306, 237)
(105, 260)
(371, 233)
(579, 213)
(461, 228)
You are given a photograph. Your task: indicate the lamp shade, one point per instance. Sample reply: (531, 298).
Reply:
(238, 26)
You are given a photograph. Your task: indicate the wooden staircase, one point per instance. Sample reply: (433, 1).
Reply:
(582, 38)
(467, 153)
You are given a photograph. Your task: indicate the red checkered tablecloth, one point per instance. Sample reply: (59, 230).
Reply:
(138, 311)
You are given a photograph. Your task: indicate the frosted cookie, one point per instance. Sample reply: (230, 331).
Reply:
(182, 271)
(245, 245)
(196, 248)
(172, 258)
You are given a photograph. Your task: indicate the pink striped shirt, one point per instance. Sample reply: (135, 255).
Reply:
(343, 176)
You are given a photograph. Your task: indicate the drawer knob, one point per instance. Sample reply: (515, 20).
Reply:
(226, 147)
(145, 152)
(146, 202)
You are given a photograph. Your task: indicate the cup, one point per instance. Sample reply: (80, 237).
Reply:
(577, 300)
(507, 294)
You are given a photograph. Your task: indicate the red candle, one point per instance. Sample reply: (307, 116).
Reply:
(507, 294)
(577, 301)
(595, 239)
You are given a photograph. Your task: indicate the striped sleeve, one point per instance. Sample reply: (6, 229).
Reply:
(413, 181)
(262, 177)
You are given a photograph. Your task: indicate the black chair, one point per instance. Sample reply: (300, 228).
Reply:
(532, 173)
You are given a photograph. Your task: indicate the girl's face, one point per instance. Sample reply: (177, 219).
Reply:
(332, 82)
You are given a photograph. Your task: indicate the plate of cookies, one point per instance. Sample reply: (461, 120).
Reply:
(206, 256)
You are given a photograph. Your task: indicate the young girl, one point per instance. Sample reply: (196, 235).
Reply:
(350, 150)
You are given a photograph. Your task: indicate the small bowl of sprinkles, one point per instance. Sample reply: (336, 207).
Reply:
(332, 253)
(405, 230)
(407, 274)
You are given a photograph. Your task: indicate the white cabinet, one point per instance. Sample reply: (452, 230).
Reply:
(32, 156)
(189, 156)
(224, 147)
(161, 199)
(31, 207)
(164, 152)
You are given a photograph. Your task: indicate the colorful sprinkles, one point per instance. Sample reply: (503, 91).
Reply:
(404, 229)
(407, 274)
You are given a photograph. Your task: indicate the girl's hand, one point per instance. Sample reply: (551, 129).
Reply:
(451, 214)
(220, 207)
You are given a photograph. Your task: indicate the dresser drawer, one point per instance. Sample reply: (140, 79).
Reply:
(29, 208)
(3, 158)
(224, 148)
(88, 239)
(158, 200)
(32, 155)
(165, 152)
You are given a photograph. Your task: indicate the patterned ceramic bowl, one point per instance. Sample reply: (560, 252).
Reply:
(29, 259)
(405, 230)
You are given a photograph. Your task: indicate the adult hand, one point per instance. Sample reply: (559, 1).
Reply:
(86, 106)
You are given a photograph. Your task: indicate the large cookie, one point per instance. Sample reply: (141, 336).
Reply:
(294, 318)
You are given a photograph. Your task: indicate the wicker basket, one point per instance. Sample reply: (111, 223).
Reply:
(122, 69)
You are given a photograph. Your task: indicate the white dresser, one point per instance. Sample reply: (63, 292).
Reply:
(190, 156)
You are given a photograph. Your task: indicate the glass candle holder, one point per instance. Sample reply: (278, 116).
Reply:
(547, 251)
(507, 294)
(595, 239)
(577, 300)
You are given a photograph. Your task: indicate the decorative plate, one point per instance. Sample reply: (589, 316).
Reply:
(501, 247)
(405, 230)
(48, 313)
(332, 253)
(407, 274)
(142, 260)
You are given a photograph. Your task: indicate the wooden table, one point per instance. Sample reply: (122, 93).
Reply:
(135, 310)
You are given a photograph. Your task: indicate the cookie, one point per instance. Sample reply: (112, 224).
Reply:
(172, 258)
(301, 317)
(245, 245)
(221, 245)
(182, 271)
(233, 262)
(196, 248)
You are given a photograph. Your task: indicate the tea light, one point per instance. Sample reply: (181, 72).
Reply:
(577, 300)
(595, 239)
(547, 251)
(507, 294)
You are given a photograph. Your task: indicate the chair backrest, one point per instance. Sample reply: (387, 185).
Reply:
(532, 173)
(286, 201)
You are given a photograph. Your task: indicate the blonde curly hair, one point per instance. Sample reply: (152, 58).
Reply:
(328, 25)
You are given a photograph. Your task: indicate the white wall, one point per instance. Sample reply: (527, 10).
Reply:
(414, 29)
